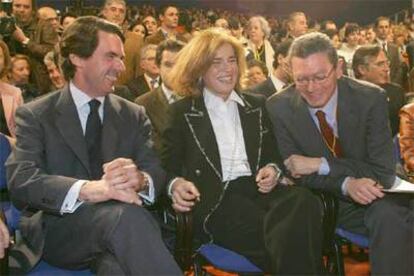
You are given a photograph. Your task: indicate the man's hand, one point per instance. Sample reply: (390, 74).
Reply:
(4, 238)
(123, 174)
(19, 35)
(299, 165)
(103, 190)
(266, 179)
(364, 190)
(184, 195)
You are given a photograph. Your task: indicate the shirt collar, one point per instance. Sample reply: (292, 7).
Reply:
(80, 98)
(211, 99)
(330, 108)
(277, 82)
(167, 92)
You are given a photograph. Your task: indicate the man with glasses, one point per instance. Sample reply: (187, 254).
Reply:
(370, 63)
(333, 135)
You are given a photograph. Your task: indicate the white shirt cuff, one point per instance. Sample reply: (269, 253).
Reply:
(324, 168)
(71, 202)
(148, 195)
(169, 187)
(344, 186)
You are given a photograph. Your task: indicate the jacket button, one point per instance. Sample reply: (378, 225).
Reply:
(198, 172)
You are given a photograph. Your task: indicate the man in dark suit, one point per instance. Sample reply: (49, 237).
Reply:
(333, 134)
(84, 163)
(382, 30)
(157, 101)
(280, 77)
(168, 16)
(371, 64)
(150, 78)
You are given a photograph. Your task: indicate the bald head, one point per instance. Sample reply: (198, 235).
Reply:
(49, 15)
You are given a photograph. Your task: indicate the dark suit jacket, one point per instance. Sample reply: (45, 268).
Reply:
(157, 108)
(157, 37)
(363, 129)
(396, 64)
(396, 100)
(138, 86)
(190, 149)
(51, 155)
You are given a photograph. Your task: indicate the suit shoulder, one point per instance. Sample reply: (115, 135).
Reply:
(43, 103)
(253, 99)
(361, 88)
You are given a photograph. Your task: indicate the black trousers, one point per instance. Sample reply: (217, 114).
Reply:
(112, 238)
(389, 225)
(271, 230)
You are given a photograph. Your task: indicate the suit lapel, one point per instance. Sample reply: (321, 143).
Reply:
(203, 134)
(111, 128)
(69, 126)
(346, 117)
(252, 126)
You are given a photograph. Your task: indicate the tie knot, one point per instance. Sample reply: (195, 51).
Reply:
(94, 105)
(320, 115)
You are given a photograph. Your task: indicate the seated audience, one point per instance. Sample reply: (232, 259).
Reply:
(349, 47)
(223, 162)
(297, 25)
(151, 73)
(256, 73)
(151, 24)
(157, 101)
(55, 75)
(280, 76)
(371, 64)
(10, 96)
(19, 76)
(406, 138)
(258, 45)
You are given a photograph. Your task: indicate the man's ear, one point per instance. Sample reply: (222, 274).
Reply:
(76, 60)
(362, 70)
(339, 68)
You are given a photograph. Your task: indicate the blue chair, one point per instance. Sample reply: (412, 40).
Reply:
(12, 216)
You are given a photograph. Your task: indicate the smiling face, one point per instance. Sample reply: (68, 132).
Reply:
(377, 70)
(315, 78)
(222, 75)
(256, 75)
(97, 74)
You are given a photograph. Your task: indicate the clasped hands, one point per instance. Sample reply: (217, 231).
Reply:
(122, 180)
(362, 190)
(184, 194)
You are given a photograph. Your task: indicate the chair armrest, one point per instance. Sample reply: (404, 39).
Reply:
(184, 239)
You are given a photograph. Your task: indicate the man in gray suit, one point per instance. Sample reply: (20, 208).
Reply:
(84, 164)
(333, 135)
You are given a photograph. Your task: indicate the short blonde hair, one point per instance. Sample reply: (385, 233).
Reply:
(197, 56)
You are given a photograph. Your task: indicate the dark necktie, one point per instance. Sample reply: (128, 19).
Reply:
(384, 47)
(331, 141)
(93, 137)
(154, 83)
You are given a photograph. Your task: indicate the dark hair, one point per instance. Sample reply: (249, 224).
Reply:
(138, 22)
(325, 23)
(281, 49)
(164, 8)
(363, 56)
(234, 23)
(81, 38)
(68, 14)
(313, 43)
(351, 28)
(256, 63)
(7, 58)
(167, 45)
(331, 33)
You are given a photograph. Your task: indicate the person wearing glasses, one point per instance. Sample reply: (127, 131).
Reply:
(370, 63)
(333, 134)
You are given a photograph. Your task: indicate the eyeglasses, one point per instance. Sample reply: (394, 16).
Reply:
(316, 79)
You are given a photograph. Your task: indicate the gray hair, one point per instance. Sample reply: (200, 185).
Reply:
(263, 24)
(146, 48)
(312, 43)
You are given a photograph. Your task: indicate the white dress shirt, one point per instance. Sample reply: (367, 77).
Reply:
(277, 83)
(81, 100)
(225, 119)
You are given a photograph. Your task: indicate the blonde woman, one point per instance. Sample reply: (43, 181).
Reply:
(223, 163)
